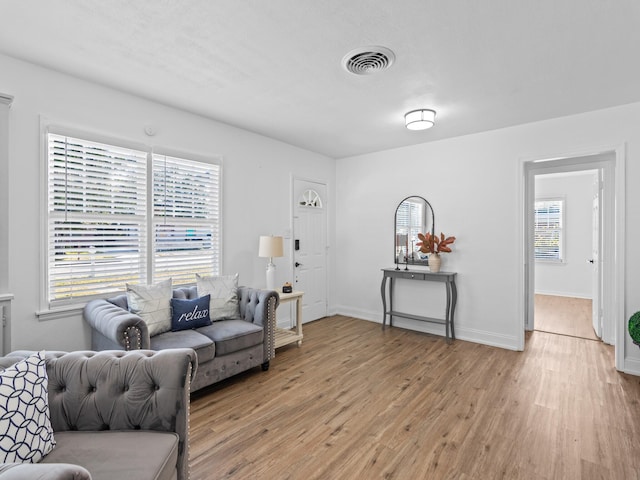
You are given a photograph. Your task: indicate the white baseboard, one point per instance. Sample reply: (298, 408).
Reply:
(564, 294)
(632, 366)
(508, 342)
(357, 313)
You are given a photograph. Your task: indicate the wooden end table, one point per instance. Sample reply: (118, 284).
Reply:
(286, 336)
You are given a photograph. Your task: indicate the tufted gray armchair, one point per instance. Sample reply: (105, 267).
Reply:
(114, 414)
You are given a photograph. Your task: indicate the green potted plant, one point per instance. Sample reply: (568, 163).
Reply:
(634, 328)
(434, 246)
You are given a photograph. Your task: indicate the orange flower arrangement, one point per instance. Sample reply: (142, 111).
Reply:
(434, 244)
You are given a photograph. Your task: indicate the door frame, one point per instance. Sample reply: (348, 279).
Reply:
(597, 319)
(612, 162)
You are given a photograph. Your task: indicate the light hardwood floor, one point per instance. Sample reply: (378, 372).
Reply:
(356, 402)
(564, 315)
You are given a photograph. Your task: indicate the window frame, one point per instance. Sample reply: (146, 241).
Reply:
(562, 254)
(57, 308)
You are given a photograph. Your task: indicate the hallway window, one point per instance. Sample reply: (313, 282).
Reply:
(549, 233)
(118, 215)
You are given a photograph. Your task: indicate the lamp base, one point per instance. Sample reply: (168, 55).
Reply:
(271, 276)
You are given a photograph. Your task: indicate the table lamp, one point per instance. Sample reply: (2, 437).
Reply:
(270, 247)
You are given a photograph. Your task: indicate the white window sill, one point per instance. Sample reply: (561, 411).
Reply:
(59, 312)
(551, 262)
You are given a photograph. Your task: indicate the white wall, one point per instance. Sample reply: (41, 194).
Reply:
(473, 184)
(256, 197)
(471, 181)
(571, 278)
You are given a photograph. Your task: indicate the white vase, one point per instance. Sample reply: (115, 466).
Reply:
(434, 262)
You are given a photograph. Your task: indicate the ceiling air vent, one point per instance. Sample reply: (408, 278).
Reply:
(368, 60)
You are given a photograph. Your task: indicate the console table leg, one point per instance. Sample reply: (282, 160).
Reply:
(454, 300)
(383, 293)
(391, 283)
(448, 323)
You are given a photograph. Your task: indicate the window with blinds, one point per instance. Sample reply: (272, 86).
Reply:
(119, 215)
(186, 216)
(548, 223)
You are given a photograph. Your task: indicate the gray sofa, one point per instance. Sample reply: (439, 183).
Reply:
(224, 348)
(114, 414)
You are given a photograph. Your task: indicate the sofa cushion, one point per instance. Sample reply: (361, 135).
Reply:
(224, 295)
(153, 304)
(26, 434)
(233, 335)
(131, 455)
(204, 346)
(186, 293)
(119, 301)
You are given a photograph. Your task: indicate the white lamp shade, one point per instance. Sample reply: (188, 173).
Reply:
(420, 119)
(270, 246)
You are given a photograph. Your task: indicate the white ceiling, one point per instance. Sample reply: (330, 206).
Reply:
(274, 66)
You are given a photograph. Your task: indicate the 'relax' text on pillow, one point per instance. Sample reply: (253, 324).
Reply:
(188, 314)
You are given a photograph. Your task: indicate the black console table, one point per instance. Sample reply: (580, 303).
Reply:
(448, 278)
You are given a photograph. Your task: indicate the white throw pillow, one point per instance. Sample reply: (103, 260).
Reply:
(25, 426)
(153, 304)
(224, 295)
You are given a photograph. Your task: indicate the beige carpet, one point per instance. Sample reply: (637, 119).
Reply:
(564, 316)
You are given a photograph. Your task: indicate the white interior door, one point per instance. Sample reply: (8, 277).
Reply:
(310, 247)
(595, 260)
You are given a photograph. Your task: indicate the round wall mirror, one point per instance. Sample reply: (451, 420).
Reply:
(414, 215)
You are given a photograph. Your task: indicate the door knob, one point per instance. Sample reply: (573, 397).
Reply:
(297, 264)
(591, 261)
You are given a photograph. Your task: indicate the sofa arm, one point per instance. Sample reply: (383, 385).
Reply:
(43, 471)
(115, 328)
(259, 307)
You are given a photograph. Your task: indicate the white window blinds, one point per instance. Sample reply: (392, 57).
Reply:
(119, 215)
(186, 218)
(96, 215)
(548, 242)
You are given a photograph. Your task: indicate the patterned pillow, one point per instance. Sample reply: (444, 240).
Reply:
(153, 304)
(25, 427)
(189, 314)
(224, 295)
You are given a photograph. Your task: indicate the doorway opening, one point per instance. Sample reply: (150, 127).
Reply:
(567, 277)
(608, 259)
(568, 316)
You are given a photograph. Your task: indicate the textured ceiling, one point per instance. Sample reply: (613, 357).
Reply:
(274, 67)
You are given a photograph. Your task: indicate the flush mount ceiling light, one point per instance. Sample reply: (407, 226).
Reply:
(368, 60)
(420, 119)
